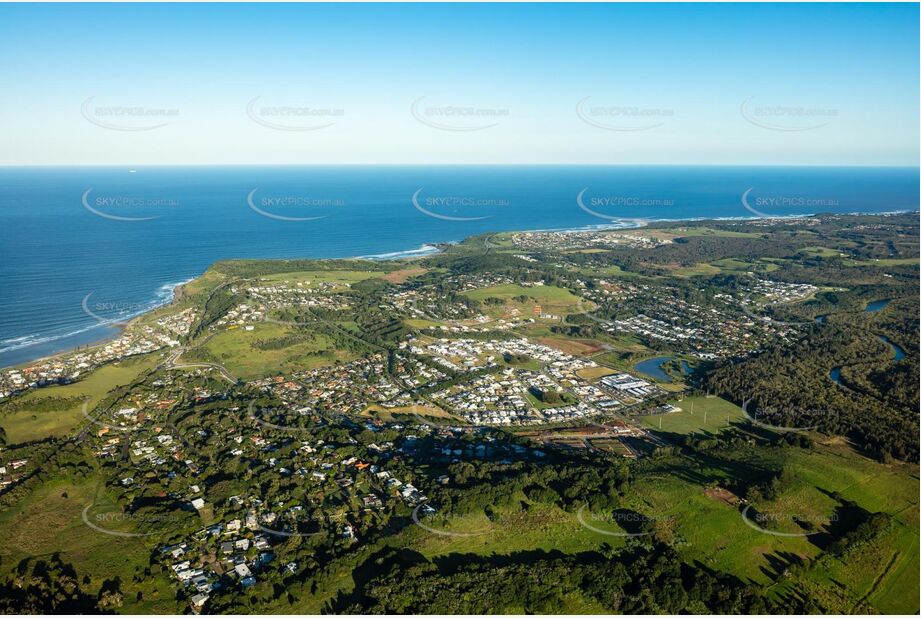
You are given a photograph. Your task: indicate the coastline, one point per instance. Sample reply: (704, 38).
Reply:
(424, 251)
(119, 326)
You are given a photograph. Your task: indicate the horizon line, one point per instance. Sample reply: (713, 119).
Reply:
(740, 165)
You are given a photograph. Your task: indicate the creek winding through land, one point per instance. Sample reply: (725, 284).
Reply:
(897, 351)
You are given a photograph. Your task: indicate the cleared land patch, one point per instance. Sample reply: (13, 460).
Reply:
(27, 424)
(249, 355)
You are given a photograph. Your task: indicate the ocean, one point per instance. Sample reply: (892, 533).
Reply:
(84, 247)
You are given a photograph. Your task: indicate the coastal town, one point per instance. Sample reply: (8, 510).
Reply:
(275, 422)
(725, 327)
(568, 240)
(468, 362)
(136, 340)
(464, 309)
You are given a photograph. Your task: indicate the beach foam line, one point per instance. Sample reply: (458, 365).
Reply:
(425, 249)
(595, 227)
(27, 341)
(163, 295)
(428, 249)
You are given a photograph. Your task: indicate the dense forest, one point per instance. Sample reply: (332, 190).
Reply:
(642, 579)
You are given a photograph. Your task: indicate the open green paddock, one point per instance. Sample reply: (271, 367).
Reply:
(50, 521)
(698, 414)
(882, 572)
(25, 425)
(238, 350)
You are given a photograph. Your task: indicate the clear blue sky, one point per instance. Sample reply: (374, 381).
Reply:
(849, 72)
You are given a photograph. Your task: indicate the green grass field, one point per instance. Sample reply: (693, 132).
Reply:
(712, 531)
(613, 271)
(882, 262)
(699, 414)
(548, 295)
(420, 323)
(50, 521)
(701, 269)
(734, 265)
(886, 570)
(511, 529)
(551, 299)
(203, 284)
(309, 277)
(727, 265)
(27, 425)
(237, 350)
(706, 231)
(820, 252)
(674, 491)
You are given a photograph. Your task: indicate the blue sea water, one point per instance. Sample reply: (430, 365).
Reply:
(82, 247)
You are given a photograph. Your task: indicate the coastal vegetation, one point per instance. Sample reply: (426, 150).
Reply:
(312, 417)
